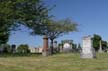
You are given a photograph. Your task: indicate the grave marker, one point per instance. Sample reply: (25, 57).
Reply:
(87, 50)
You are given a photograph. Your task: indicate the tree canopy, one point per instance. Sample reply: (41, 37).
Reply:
(96, 41)
(16, 12)
(54, 29)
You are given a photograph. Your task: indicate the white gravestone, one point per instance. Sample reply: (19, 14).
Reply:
(87, 49)
(67, 47)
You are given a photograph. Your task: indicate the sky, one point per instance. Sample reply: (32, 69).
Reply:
(91, 15)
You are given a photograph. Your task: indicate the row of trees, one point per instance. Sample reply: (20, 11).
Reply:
(23, 48)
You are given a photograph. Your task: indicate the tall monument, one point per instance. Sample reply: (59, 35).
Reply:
(87, 50)
(46, 50)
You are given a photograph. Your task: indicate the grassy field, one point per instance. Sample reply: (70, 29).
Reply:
(59, 62)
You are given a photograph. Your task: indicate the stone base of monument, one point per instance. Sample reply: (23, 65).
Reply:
(100, 51)
(46, 53)
(90, 54)
(67, 50)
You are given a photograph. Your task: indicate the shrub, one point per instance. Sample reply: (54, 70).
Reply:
(23, 48)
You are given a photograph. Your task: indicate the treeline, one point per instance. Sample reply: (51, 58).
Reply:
(6, 48)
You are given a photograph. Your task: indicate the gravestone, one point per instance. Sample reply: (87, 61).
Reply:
(87, 50)
(55, 45)
(46, 51)
(13, 48)
(67, 47)
(60, 47)
(100, 47)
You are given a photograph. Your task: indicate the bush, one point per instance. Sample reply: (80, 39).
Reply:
(23, 48)
(5, 48)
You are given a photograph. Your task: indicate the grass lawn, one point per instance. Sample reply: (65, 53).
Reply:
(59, 62)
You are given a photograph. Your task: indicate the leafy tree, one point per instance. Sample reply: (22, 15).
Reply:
(15, 12)
(74, 47)
(79, 48)
(4, 36)
(104, 45)
(96, 41)
(55, 29)
(23, 48)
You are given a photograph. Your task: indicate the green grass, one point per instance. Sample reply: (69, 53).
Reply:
(59, 62)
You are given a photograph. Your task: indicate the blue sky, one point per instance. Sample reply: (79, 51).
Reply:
(91, 15)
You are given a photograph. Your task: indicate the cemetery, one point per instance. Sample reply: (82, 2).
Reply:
(64, 60)
(71, 38)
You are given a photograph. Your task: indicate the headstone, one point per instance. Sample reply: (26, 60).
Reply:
(46, 51)
(60, 48)
(13, 48)
(56, 49)
(100, 48)
(87, 50)
(67, 47)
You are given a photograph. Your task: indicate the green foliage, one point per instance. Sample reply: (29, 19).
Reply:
(79, 46)
(104, 45)
(67, 41)
(23, 11)
(74, 47)
(96, 41)
(16, 12)
(4, 36)
(6, 48)
(54, 29)
(23, 48)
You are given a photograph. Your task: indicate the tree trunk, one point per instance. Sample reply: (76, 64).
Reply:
(51, 46)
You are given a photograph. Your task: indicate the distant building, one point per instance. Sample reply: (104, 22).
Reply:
(36, 50)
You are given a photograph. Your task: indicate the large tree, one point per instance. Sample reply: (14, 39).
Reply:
(55, 29)
(26, 12)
